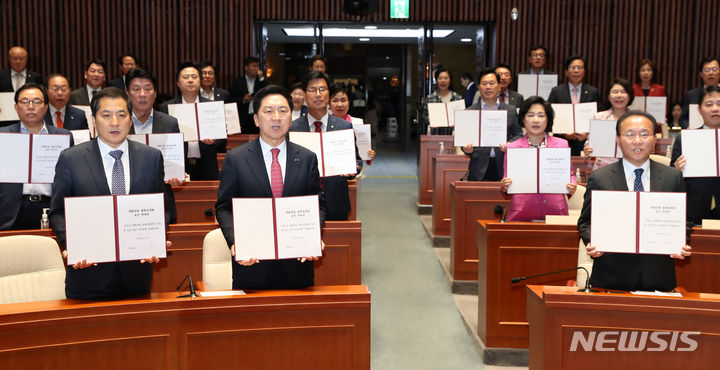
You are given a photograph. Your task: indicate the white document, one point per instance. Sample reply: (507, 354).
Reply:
(80, 136)
(90, 118)
(45, 152)
(356, 121)
(335, 150)
(695, 120)
(232, 119)
(522, 168)
(442, 114)
(171, 146)
(554, 170)
(603, 139)
(584, 112)
(364, 140)
(700, 149)
(467, 127)
(14, 157)
(545, 85)
(564, 119)
(7, 107)
(187, 120)
(289, 228)
(211, 120)
(91, 232)
(654, 105)
(493, 128)
(138, 138)
(659, 228)
(536, 85)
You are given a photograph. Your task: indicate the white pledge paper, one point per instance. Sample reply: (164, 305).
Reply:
(13, 164)
(695, 120)
(211, 117)
(141, 226)
(339, 152)
(527, 84)
(614, 216)
(364, 140)
(90, 118)
(700, 149)
(523, 170)
(554, 170)
(584, 112)
(563, 123)
(232, 119)
(310, 141)
(602, 139)
(438, 115)
(7, 107)
(187, 120)
(254, 228)
(81, 136)
(662, 222)
(45, 152)
(545, 85)
(171, 146)
(467, 127)
(90, 236)
(493, 128)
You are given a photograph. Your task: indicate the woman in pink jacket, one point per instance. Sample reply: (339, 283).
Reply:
(536, 115)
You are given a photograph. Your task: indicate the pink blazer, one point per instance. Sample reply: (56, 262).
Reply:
(527, 207)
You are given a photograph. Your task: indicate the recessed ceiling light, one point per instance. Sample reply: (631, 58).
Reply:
(465, 40)
(281, 54)
(360, 32)
(387, 58)
(370, 27)
(364, 39)
(288, 58)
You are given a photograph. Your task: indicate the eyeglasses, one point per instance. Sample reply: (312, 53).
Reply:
(297, 94)
(488, 83)
(314, 90)
(36, 102)
(713, 69)
(579, 68)
(537, 56)
(643, 135)
(58, 89)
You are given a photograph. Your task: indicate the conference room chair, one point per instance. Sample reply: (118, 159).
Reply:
(660, 159)
(216, 268)
(32, 269)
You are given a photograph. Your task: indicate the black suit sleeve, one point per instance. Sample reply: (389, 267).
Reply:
(226, 191)
(61, 188)
(584, 219)
(676, 151)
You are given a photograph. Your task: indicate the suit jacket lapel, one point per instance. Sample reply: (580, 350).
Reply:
(292, 167)
(135, 164)
(94, 162)
(618, 178)
(256, 162)
(656, 177)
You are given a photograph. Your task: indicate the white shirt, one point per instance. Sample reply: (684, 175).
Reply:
(53, 115)
(193, 146)
(630, 174)
(579, 91)
(143, 128)
(210, 95)
(324, 120)
(532, 72)
(251, 90)
(90, 90)
(267, 156)
(18, 78)
(36, 189)
(108, 162)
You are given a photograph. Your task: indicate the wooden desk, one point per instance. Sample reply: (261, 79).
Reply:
(585, 164)
(513, 249)
(556, 314)
(700, 272)
(234, 141)
(352, 192)
(469, 202)
(662, 144)
(447, 168)
(315, 328)
(429, 145)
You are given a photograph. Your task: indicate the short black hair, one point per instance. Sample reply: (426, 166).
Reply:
(120, 58)
(207, 63)
(249, 60)
(466, 76)
(109, 93)
(297, 85)
(187, 64)
(570, 59)
(549, 112)
(707, 60)
(538, 46)
(440, 70)
(633, 113)
(504, 65)
(270, 90)
(339, 87)
(55, 74)
(627, 86)
(488, 71)
(707, 91)
(32, 85)
(317, 57)
(139, 73)
(98, 62)
(314, 75)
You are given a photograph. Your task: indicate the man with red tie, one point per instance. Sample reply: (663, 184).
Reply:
(270, 166)
(61, 114)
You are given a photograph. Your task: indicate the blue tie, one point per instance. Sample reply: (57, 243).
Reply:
(118, 173)
(638, 180)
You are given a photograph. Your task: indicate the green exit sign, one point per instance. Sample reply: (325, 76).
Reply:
(399, 8)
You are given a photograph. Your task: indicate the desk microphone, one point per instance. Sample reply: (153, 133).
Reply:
(192, 288)
(501, 211)
(587, 280)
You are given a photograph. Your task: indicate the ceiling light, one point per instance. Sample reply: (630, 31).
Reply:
(465, 40)
(370, 27)
(281, 54)
(355, 32)
(364, 39)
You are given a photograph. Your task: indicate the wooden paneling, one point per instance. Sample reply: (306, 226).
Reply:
(613, 35)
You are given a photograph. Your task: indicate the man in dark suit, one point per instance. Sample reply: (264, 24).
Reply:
(710, 74)
(242, 91)
(317, 96)
(636, 137)
(574, 91)
(208, 90)
(21, 205)
(61, 114)
(11, 79)
(89, 169)
(486, 164)
(125, 63)
(506, 94)
(470, 88)
(703, 193)
(318, 63)
(94, 81)
(200, 156)
(537, 58)
(248, 173)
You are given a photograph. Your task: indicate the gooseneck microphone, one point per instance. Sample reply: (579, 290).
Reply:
(192, 287)
(587, 288)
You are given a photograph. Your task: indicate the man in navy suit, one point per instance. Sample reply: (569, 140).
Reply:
(87, 170)
(125, 63)
(21, 205)
(61, 114)
(318, 119)
(247, 173)
(574, 91)
(486, 164)
(506, 94)
(470, 88)
(242, 91)
(537, 57)
(710, 74)
(200, 156)
(11, 79)
(95, 70)
(208, 90)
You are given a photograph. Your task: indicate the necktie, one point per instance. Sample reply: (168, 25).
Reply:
(17, 81)
(502, 98)
(575, 99)
(118, 173)
(318, 126)
(638, 186)
(59, 119)
(94, 92)
(276, 179)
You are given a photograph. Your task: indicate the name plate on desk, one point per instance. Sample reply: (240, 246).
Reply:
(114, 228)
(335, 150)
(30, 158)
(277, 228)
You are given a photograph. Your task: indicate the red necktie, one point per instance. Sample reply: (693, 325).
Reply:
(502, 98)
(318, 126)
(59, 120)
(276, 179)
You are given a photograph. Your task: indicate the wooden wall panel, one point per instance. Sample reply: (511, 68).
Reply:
(613, 34)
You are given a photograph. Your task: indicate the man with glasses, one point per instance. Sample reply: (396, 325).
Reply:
(208, 90)
(318, 119)
(21, 205)
(61, 114)
(125, 63)
(710, 74)
(574, 91)
(11, 79)
(94, 82)
(636, 138)
(537, 57)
